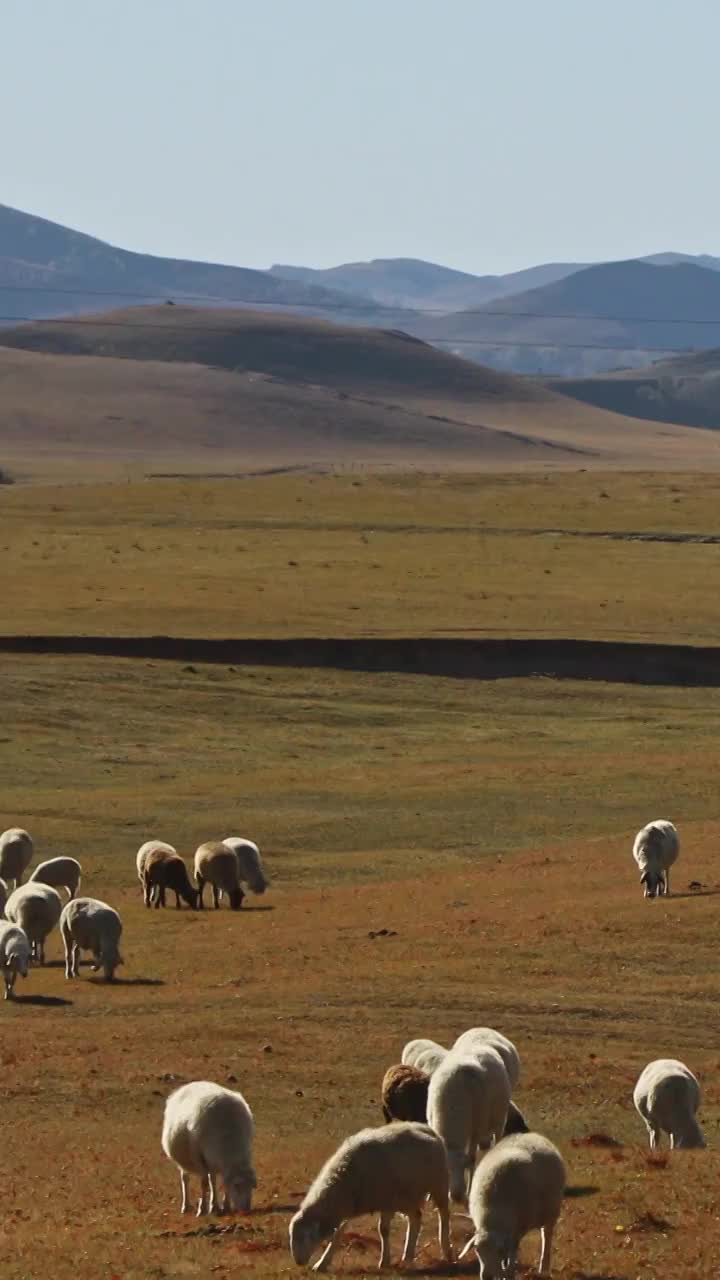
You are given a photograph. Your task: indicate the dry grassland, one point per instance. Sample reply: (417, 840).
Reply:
(337, 555)
(486, 826)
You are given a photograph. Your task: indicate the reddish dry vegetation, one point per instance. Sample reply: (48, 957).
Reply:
(300, 1006)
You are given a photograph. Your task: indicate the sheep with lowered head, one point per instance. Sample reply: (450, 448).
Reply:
(667, 1096)
(16, 851)
(208, 1130)
(655, 849)
(14, 955)
(164, 870)
(430, 1059)
(482, 1036)
(517, 1187)
(251, 869)
(385, 1171)
(468, 1100)
(61, 873)
(217, 865)
(36, 908)
(143, 852)
(86, 924)
(414, 1048)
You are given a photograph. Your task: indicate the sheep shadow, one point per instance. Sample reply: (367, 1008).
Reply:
(46, 1002)
(692, 893)
(127, 982)
(576, 1193)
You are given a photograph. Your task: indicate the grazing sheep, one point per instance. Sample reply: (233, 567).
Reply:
(404, 1097)
(667, 1096)
(468, 1099)
(413, 1048)
(404, 1094)
(86, 924)
(16, 851)
(165, 870)
(516, 1188)
(35, 908)
(217, 866)
(208, 1130)
(429, 1059)
(3, 897)
(386, 1171)
(143, 852)
(467, 1042)
(250, 865)
(14, 955)
(61, 873)
(655, 849)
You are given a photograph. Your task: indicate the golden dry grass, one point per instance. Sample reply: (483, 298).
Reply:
(371, 555)
(488, 826)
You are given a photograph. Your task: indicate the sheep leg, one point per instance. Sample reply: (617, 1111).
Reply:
(214, 1206)
(413, 1231)
(147, 891)
(384, 1223)
(546, 1238)
(177, 900)
(204, 1189)
(9, 979)
(201, 890)
(443, 1211)
(75, 960)
(667, 882)
(41, 950)
(216, 896)
(323, 1261)
(185, 1189)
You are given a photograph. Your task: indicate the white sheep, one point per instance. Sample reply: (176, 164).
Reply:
(386, 1171)
(415, 1047)
(516, 1188)
(14, 955)
(429, 1060)
(16, 851)
(217, 865)
(36, 908)
(667, 1096)
(467, 1042)
(468, 1101)
(209, 1131)
(143, 852)
(655, 849)
(3, 897)
(61, 873)
(250, 866)
(86, 924)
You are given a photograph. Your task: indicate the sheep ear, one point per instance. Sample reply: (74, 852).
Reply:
(471, 1244)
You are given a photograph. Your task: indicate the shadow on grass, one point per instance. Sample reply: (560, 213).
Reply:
(576, 1193)
(127, 982)
(47, 1002)
(692, 893)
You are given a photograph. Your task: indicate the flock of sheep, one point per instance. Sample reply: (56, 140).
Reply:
(443, 1108)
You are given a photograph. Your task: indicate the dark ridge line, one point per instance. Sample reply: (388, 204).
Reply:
(614, 662)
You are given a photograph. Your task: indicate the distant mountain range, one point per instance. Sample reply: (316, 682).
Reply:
(565, 319)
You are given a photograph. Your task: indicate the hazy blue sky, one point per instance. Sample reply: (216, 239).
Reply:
(485, 134)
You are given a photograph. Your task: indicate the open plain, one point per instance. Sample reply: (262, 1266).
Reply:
(443, 852)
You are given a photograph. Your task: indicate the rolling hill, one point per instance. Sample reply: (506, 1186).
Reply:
(602, 317)
(190, 389)
(683, 390)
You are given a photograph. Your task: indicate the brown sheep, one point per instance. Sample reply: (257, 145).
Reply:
(164, 870)
(217, 865)
(404, 1097)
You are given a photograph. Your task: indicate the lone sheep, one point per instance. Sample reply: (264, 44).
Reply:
(16, 851)
(387, 1171)
(655, 849)
(86, 924)
(208, 1131)
(165, 870)
(667, 1096)
(35, 908)
(468, 1100)
(250, 864)
(61, 873)
(516, 1188)
(14, 955)
(217, 866)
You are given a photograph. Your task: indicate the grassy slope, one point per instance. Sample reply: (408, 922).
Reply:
(326, 393)
(341, 556)
(380, 803)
